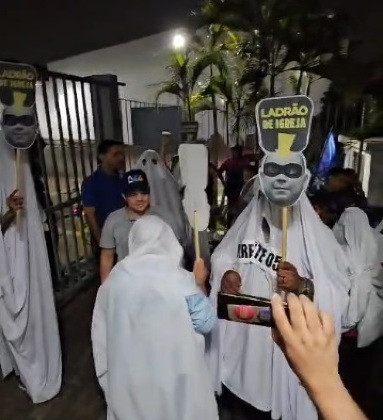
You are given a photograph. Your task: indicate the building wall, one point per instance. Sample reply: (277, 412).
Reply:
(141, 64)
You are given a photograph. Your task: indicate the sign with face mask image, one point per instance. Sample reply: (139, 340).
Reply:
(284, 127)
(17, 96)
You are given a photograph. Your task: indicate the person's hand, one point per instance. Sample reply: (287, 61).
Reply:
(15, 202)
(308, 341)
(231, 283)
(288, 278)
(200, 271)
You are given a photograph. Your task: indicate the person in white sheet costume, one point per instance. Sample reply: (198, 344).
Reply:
(164, 192)
(29, 338)
(360, 244)
(244, 357)
(148, 358)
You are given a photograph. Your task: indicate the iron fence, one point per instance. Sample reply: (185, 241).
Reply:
(66, 155)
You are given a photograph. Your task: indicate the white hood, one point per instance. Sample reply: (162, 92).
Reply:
(148, 358)
(164, 191)
(361, 246)
(29, 339)
(244, 357)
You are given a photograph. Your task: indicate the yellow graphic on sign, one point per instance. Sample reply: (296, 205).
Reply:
(19, 100)
(285, 141)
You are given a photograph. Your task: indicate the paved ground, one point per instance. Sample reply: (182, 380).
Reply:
(80, 398)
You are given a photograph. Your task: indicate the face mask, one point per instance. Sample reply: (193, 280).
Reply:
(12, 120)
(291, 170)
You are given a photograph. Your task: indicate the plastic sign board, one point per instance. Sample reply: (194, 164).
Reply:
(284, 126)
(18, 96)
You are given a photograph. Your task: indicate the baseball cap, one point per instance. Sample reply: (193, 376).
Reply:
(137, 182)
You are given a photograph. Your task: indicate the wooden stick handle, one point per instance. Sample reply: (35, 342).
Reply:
(18, 184)
(196, 236)
(285, 222)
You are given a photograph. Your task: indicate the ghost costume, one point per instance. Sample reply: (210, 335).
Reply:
(360, 244)
(29, 338)
(148, 359)
(244, 357)
(164, 192)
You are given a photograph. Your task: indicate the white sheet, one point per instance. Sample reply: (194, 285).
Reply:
(244, 357)
(164, 192)
(361, 246)
(29, 342)
(149, 361)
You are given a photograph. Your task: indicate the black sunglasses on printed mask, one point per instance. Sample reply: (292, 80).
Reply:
(291, 170)
(12, 120)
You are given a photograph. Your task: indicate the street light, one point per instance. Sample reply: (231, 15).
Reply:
(179, 41)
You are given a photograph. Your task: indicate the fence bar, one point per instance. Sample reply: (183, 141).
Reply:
(87, 130)
(66, 174)
(48, 209)
(55, 176)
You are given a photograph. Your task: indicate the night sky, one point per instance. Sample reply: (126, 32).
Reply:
(40, 31)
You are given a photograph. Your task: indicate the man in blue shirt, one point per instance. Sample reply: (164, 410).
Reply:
(102, 192)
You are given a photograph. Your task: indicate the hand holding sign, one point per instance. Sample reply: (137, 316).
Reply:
(19, 121)
(17, 94)
(284, 127)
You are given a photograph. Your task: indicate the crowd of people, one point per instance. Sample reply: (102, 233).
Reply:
(160, 352)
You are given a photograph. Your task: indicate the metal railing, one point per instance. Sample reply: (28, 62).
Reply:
(66, 155)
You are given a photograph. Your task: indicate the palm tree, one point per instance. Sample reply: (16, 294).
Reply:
(186, 80)
(213, 42)
(263, 26)
(274, 33)
(239, 99)
(314, 41)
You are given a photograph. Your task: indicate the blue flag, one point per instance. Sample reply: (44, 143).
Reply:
(329, 155)
(327, 160)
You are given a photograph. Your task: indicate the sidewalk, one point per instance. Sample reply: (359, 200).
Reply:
(80, 398)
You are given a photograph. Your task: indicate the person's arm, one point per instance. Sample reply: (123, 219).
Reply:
(88, 196)
(108, 248)
(15, 204)
(202, 313)
(221, 171)
(106, 263)
(216, 172)
(7, 220)
(90, 215)
(307, 339)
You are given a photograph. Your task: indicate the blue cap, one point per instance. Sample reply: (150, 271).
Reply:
(137, 182)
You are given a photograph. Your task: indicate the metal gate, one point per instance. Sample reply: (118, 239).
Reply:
(65, 155)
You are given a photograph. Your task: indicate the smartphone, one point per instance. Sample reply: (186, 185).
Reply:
(246, 309)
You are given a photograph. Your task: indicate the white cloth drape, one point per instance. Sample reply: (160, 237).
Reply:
(29, 339)
(164, 192)
(245, 357)
(361, 246)
(149, 361)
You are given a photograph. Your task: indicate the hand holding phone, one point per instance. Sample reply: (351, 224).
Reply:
(246, 309)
